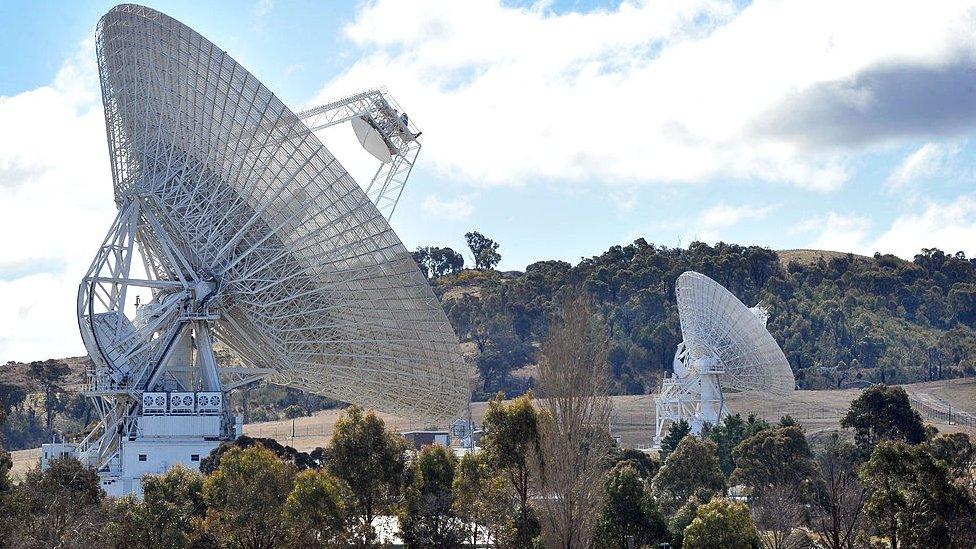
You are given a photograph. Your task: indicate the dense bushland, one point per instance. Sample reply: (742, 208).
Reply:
(744, 483)
(841, 321)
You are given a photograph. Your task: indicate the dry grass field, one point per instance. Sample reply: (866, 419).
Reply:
(633, 419)
(809, 257)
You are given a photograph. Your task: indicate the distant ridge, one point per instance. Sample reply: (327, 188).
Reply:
(808, 256)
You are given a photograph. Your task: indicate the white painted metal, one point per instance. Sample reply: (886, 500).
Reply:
(253, 237)
(384, 130)
(725, 346)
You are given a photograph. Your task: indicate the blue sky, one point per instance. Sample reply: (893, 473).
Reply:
(558, 129)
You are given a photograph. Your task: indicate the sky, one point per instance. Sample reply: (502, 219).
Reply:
(556, 128)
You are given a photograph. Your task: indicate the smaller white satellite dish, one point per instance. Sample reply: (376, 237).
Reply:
(725, 346)
(371, 139)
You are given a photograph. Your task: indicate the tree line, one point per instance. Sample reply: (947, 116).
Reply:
(548, 475)
(841, 321)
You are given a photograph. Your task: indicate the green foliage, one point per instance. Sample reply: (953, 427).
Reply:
(680, 520)
(628, 510)
(314, 512)
(645, 465)
(300, 460)
(692, 469)
(883, 413)
(676, 433)
(729, 433)
(839, 320)
(58, 507)
(167, 516)
(510, 439)
(956, 451)
(774, 457)
(913, 501)
(295, 411)
(721, 524)
(50, 375)
(427, 518)
(369, 459)
(436, 262)
(482, 498)
(246, 495)
(484, 250)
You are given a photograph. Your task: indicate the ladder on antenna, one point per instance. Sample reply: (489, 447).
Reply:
(384, 113)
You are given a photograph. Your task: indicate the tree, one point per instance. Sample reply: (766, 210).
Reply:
(644, 464)
(49, 374)
(314, 512)
(482, 499)
(693, 467)
(778, 512)
(913, 500)
(729, 433)
(501, 352)
(774, 457)
(10, 395)
(484, 250)
(58, 507)
(721, 524)
(956, 451)
(962, 302)
(575, 445)
(168, 516)
(510, 441)
(676, 433)
(435, 262)
(370, 461)
(839, 504)
(421, 256)
(883, 413)
(681, 519)
(628, 510)
(427, 518)
(246, 496)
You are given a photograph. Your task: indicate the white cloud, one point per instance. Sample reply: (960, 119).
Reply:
(55, 206)
(837, 232)
(925, 162)
(710, 225)
(646, 91)
(949, 226)
(457, 209)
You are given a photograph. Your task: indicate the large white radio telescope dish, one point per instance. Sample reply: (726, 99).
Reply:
(725, 347)
(254, 237)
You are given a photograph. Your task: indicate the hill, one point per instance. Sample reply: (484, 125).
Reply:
(842, 319)
(811, 257)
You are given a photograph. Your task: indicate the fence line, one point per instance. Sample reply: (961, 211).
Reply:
(947, 416)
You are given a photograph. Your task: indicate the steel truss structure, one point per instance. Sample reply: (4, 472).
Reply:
(399, 133)
(253, 237)
(725, 347)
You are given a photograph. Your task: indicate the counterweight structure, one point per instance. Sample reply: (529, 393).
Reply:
(253, 239)
(725, 346)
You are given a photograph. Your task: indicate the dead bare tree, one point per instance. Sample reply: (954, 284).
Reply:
(574, 442)
(778, 513)
(838, 515)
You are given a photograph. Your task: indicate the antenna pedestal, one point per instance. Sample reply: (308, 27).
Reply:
(693, 394)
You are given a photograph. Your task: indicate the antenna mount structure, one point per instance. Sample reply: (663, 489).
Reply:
(254, 244)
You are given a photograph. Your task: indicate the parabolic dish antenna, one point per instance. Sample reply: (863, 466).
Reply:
(254, 238)
(725, 346)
